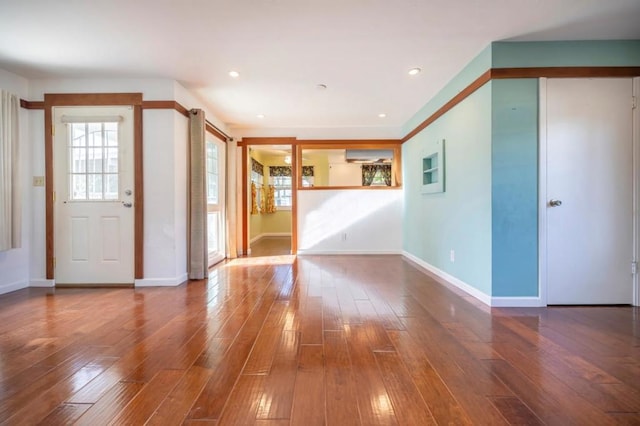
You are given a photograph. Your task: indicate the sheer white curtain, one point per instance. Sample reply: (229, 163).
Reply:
(9, 173)
(198, 248)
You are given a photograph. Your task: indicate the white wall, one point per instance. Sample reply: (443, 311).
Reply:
(354, 221)
(14, 264)
(165, 142)
(345, 174)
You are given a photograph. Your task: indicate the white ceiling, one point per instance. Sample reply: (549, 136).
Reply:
(361, 49)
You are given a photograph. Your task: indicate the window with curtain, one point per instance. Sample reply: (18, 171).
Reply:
(307, 176)
(376, 175)
(280, 178)
(257, 186)
(10, 209)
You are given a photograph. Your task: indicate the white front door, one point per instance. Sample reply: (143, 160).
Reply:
(589, 191)
(216, 206)
(93, 184)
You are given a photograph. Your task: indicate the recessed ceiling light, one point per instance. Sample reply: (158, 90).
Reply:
(321, 86)
(234, 74)
(382, 115)
(414, 71)
(260, 115)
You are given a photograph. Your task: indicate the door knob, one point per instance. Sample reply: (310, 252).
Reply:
(127, 205)
(555, 203)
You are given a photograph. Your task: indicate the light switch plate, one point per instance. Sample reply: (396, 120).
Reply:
(38, 181)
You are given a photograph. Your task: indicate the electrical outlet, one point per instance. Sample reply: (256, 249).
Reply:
(452, 256)
(38, 181)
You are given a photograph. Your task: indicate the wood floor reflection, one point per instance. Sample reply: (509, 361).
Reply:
(357, 340)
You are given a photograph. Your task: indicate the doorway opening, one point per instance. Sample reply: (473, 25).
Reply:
(270, 204)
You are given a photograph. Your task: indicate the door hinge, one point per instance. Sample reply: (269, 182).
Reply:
(634, 267)
(634, 102)
(53, 130)
(54, 196)
(54, 263)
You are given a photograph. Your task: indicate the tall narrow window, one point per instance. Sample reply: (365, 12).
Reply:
(93, 155)
(280, 178)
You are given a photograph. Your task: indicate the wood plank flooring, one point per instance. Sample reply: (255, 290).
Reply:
(357, 340)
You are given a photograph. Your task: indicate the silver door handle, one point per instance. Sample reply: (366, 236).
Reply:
(555, 203)
(128, 205)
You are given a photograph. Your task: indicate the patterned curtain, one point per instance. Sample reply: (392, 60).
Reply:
(254, 199)
(385, 170)
(368, 173)
(279, 170)
(262, 205)
(257, 167)
(271, 199)
(307, 171)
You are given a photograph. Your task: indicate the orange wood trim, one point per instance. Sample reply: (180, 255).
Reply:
(475, 85)
(298, 153)
(537, 72)
(296, 166)
(138, 193)
(31, 105)
(166, 105)
(215, 132)
(48, 186)
(331, 188)
(564, 72)
(392, 145)
(92, 99)
(86, 99)
(343, 142)
(396, 166)
(267, 141)
(245, 195)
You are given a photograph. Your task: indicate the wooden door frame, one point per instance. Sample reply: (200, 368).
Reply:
(52, 100)
(245, 144)
(542, 190)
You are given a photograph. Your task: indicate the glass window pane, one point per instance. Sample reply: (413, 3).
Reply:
(111, 160)
(78, 190)
(111, 187)
(78, 134)
(111, 134)
(213, 231)
(78, 160)
(95, 160)
(95, 186)
(95, 134)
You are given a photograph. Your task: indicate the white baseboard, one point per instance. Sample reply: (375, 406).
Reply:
(516, 302)
(346, 252)
(450, 279)
(161, 282)
(42, 282)
(494, 302)
(17, 285)
(269, 234)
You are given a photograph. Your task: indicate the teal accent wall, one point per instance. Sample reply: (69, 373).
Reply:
(566, 53)
(469, 73)
(460, 218)
(489, 211)
(514, 187)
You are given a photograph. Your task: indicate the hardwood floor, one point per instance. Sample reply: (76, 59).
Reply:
(357, 340)
(271, 246)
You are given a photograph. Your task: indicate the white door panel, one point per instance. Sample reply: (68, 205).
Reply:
(590, 172)
(93, 184)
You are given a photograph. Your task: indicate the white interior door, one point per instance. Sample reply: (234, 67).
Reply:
(93, 184)
(216, 208)
(589, 191)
